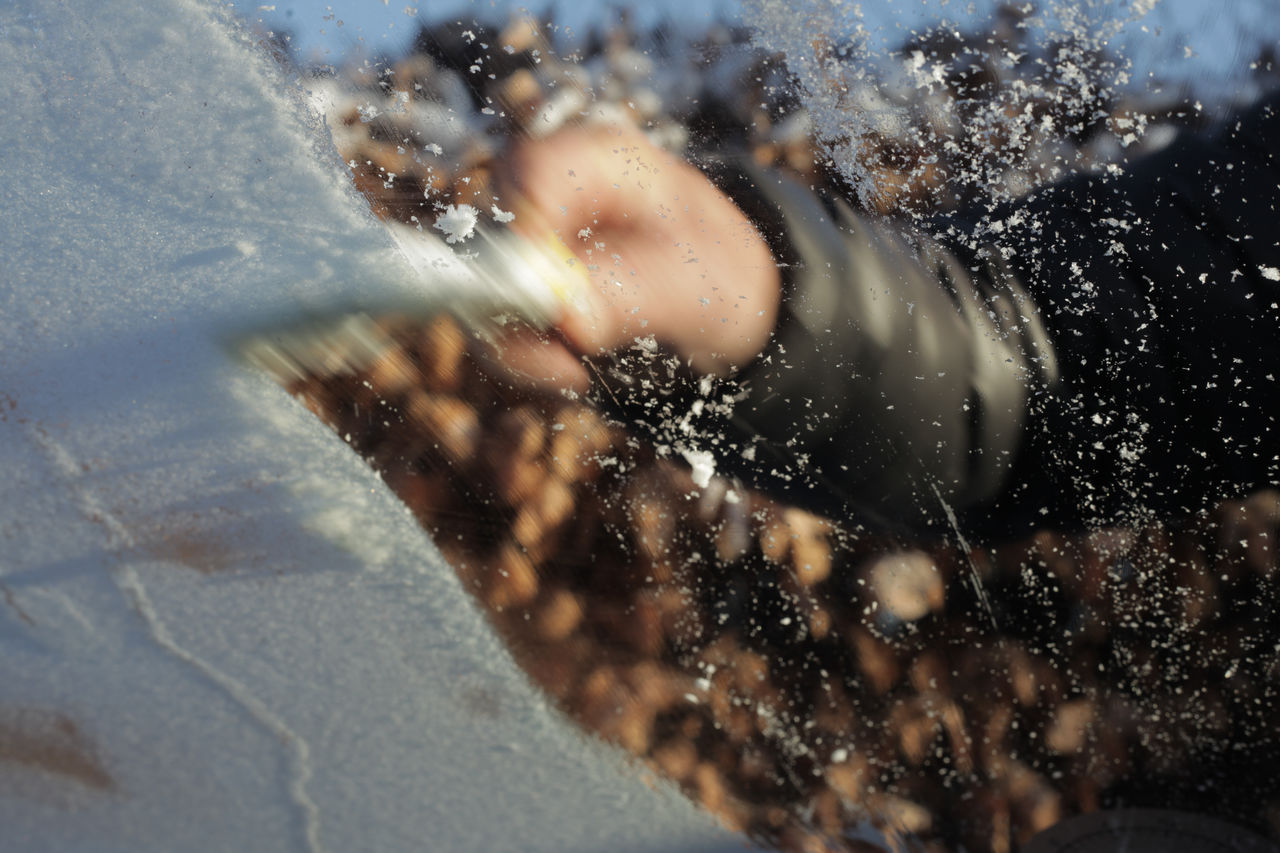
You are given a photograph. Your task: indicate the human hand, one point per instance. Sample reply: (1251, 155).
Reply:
(667, 255)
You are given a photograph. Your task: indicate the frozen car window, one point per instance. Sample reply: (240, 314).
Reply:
(981, 539)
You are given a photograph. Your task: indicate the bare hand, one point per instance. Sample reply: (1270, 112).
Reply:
(668, 254)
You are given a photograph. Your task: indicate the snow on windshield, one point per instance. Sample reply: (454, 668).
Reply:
(218, 629)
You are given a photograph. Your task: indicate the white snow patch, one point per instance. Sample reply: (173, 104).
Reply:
(703, 464)
(172, 513)
(1271, 273)
(500, 215)
(458, 222)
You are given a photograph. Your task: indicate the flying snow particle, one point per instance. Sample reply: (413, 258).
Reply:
(500, 215)
(458, 223)
(703, 465)
(1272, 273)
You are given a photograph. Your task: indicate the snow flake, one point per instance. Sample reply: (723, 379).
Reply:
(457, 222)
(703, 465)
(1272, 273)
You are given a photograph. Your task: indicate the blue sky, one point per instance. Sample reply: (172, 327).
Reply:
(1187, 39)
(329, 27)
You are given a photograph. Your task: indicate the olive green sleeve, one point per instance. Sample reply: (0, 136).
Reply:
(897, 382)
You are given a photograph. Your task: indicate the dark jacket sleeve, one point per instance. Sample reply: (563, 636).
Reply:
(897, 383)
(1100, 352)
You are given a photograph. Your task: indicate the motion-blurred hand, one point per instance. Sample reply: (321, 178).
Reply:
(667, 255)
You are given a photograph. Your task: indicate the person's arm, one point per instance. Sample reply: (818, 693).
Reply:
(881, 381)
(1068, 366)
(897, 383)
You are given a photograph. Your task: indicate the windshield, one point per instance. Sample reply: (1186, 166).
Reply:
(861, 416)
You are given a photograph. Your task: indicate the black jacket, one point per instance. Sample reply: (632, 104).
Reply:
(1106, 353)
